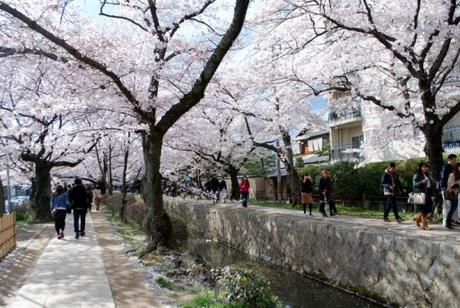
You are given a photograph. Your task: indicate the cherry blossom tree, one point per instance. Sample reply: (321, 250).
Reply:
(399, 56)
(160, 79)
(37, 131)
(219, 137)
(273, 109)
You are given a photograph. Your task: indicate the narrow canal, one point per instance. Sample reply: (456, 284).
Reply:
(292, 289)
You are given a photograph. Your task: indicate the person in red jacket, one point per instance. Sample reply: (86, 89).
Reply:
(244, 190)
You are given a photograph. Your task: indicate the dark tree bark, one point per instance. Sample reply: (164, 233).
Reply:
(124, 187)
(2, 199)
(293, 176)
(235, 189)
(109, 171)
(158, 224)
(42, 198)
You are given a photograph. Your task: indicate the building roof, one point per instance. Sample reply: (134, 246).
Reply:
(308, 134)
(313, 159)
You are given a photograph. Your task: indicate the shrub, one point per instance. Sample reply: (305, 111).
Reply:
(352, 183)
(244, 287)
(345, 180)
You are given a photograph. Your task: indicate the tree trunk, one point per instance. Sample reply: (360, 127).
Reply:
(42, 197)
(158, 224)
(293, 177)
(124, 188)
(110, 176)
(235, 189)
(103, 181)
(2, 199)
(433, 150)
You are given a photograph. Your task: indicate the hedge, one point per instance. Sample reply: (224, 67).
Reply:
(352, 183)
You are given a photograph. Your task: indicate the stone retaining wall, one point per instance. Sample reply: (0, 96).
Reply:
(403, 270)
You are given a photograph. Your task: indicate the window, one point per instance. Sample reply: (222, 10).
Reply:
(357, 141)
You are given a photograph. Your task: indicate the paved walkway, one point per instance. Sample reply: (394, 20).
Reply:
(407, 228)
(69, 273)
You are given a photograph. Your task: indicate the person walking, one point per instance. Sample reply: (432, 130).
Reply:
(244, 190)
(90, 194)
(423, 184)
(59, 206)
(223, 192)
(453, 183)
(391, 187)
(325, 191)
(306, 193)
(79, 202)
(447, 170)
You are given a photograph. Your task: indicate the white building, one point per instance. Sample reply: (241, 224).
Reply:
(367, 133)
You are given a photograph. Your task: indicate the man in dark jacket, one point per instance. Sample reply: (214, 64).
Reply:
(391, 187)
(79, 200)
(325, 192)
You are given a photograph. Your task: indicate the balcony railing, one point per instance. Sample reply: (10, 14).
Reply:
(452, 147)
(336, 118)
(346, 152)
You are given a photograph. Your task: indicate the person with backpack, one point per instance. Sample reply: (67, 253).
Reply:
(306, 193)
(423, 184)
(447, 170)
(325, 192)
(79, 201)
(244, 190)
(59, 207)
(391, 187)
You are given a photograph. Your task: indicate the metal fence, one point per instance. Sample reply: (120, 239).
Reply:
(7, 234)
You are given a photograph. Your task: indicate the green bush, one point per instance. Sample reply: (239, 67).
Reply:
(345, 180)
(243, 287)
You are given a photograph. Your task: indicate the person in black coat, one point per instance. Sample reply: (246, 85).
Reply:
(391, 187)
(78, 198)
(423, 184)
(325, 192)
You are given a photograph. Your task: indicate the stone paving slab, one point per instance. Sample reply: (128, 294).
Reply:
(70, 273)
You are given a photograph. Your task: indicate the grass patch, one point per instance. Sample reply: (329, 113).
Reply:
(208, 300)
(164, 283)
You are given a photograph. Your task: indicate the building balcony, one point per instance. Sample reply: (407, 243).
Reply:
(337, 119)
(451, 147)
(347, 152)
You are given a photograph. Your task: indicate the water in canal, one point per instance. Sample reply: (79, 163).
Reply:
(292, 289)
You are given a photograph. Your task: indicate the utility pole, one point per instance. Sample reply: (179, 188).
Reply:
(8, 187)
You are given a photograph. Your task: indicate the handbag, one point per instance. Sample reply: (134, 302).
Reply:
(450, 195)
(417, 198)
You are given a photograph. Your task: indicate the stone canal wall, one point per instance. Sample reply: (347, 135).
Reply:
(397, 267)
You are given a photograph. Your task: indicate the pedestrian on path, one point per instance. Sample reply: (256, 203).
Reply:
(223, 192)
(306, 193)
(244, 190)
(325, 191)
(423, 185)
(391, 187)
(90, 195)
(79, 202)
(447, 170)
(59, 206)
(452, 189)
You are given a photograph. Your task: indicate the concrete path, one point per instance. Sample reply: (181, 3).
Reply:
(437, 233)
(70, 273)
